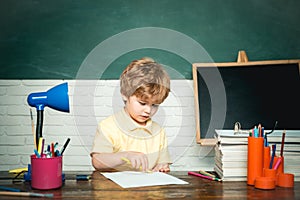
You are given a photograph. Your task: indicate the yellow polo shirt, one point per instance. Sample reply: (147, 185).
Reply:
(120, 132)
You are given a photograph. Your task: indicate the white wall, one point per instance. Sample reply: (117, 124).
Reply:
(90, 102)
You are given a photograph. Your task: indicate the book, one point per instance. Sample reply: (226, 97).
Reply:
(231, 153)
(229, 177)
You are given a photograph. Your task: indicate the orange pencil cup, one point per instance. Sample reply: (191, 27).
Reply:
(285, 180)
(46, 173)
(270, 173)
(255, 159)
(267, 157)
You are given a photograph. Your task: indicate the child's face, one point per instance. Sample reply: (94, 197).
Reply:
(139, 110)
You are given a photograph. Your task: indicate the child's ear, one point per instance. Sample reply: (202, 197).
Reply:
(124, 98)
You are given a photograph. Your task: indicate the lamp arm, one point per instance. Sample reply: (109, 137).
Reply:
(39, 126)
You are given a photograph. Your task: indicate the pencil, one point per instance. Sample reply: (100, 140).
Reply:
(259, 130)
(25, 194)
(207, 174)
(10, 189)
(282, 143)
(129, 163)
(64, 147)
(203, 176)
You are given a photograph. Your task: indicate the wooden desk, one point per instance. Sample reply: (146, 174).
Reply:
(101, 188)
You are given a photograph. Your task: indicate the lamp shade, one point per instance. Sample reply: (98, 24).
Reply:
(56, 98)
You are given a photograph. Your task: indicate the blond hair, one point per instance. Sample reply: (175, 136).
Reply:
(145, 79)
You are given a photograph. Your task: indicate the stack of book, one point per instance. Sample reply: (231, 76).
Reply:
(231, 153)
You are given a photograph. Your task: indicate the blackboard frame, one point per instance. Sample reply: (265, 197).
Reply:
(210, 140)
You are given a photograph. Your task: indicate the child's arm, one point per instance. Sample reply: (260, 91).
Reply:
(103, 161)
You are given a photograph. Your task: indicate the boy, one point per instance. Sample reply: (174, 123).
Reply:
(130, 138)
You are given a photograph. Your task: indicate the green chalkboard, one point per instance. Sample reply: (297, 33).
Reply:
(97, 39)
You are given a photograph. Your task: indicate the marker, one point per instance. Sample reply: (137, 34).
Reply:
(57, 153)
(65, 146)
(255, 132)
(206, 177)
(277, 163)
(48, 151)
(40, 146)
(273, 155)
(37, 153)
(52, 150)
(55, 146)
(81, 177)
(250, 133)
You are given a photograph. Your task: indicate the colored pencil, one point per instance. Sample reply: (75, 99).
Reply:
(25, 194)
(282, 143)
(129, 163)
(207, 174)
(202, 176)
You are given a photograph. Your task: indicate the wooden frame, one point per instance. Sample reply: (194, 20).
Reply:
(242, 61)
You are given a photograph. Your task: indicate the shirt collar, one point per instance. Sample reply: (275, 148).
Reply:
(126, 123)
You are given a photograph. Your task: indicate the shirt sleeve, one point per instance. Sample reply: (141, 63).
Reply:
(101, 143)
(164, 156)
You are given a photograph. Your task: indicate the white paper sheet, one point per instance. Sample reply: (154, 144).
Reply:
(128, 179)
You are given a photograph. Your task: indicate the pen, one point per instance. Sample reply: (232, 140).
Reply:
(206, 177)
(65, 146)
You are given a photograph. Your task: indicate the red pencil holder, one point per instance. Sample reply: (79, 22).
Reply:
(255, 159)
(46, 173)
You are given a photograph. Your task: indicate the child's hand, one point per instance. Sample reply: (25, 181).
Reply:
(138, 160)
(161, 167)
